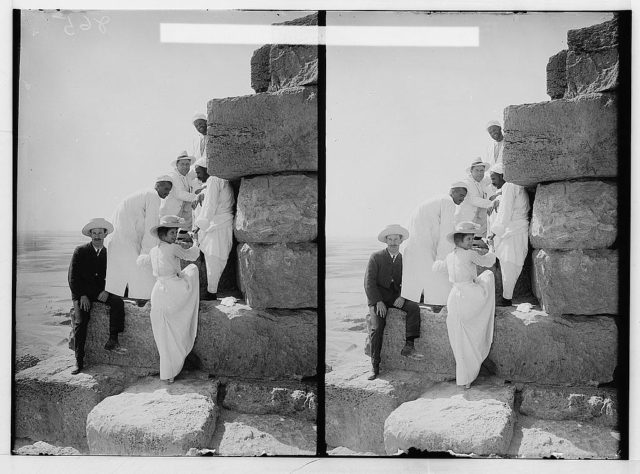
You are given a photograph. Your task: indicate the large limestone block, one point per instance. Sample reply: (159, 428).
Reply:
(281, 208)
(293, 66)
(40, 448)
(544, 349)
(598, 406)
(577, 281)
(592, 60)
(557, 75)
(356, 408)
(240, 434)
(446, 417)
(153, 418)
(260, 72)
(263, 134)
(52, 405)
(271, 398)
(231, 340)
(279, 275)
(534, 438)
(574, 215)
(562, 139)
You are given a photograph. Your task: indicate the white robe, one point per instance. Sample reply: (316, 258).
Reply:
(428, 227)
(494, 150)
(198, 146)
(131, 238)
(511, 229)
(178, 202)
(475, 204)
(174, 305)
(216, 228)
(470, 310)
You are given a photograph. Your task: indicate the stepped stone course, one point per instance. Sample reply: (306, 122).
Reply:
(557, 75)
(574, 215)
(277, 209)
(562, 139)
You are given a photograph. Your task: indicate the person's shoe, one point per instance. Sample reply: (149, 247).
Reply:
(141, 303)
(375, 371)
(112, 344)
(409, 351)
(503, 302)
(78, 368)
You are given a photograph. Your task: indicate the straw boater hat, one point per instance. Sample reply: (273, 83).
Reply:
(478, 162)
(199, 117)
(393, 229)
(182, 156)
(167, 221)
(97, 223)
(493, 123)
(463, 228)
(497, 168)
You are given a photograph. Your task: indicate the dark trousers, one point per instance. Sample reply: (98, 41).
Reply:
(412, 327)
(81, 321)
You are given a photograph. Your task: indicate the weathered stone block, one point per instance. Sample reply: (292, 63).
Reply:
(52, 405)
(577, 281)
(263, 133)
(574, 215)
(597, 406)
(479, 421)
(255, 435)
(282, 343)
(275, 398)
(594, 38)
(279, 275)
(281, 208)
(356, 408)
(557, 75)
(40, 448)
(293, 66)
(560, 140)
(260, 73)
(152, 418)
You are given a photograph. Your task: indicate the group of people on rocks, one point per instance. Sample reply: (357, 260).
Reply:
(482, 218)
(187, 215)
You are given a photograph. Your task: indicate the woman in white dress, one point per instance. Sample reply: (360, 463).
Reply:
(471, 302)
(174, 298)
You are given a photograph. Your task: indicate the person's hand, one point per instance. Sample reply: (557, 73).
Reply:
(399, 302)
(194, 204)
(185, 245)
(200, 198)
(85, 304)
(381, 309)
(198, 191)
(496, 204)
(102, 297)
(481, 251)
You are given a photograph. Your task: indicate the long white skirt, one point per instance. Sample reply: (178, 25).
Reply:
(471, 308)
(174, 319)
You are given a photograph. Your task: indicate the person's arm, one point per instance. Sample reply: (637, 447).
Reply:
(439, 266)
(209, 204)
(486, 259)
(371, 287)
(505, 211)
(180, 192)
(78, 280)
(190, 254)
(151, 217)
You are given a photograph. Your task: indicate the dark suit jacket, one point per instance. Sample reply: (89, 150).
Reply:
(383, 278)
(87, 272)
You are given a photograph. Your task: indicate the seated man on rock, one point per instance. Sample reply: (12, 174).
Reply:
(87, 273)
(382, 284)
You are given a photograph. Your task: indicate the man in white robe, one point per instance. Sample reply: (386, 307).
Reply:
(510, 232)
(132, 220)
(475, 205)
(428, 226)
(496, 144)
(182, 195)
(214, 226)
(198, 144)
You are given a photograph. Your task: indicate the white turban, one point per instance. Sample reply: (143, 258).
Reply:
(493, 123)
(202, 161)
(459, 184)
(164, 177)
(199, 117)
(497, 168)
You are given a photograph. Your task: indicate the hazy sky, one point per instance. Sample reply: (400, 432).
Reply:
(403, 123)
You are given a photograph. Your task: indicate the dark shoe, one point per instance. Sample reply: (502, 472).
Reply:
(112, 344)
(409, 351)
(78, 368)
(375, 371)
(141, 303)
(503, 302)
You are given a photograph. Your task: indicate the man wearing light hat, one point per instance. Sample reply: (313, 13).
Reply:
(87, 273)
(496, 145)
(132, 220)
(182, 195)
(383, 284)
(428, 226)
(475, 205)
(510, 231)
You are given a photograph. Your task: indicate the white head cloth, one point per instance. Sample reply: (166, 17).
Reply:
(497, 168)
(202, 162)
(199, 117)
(493, 123)
(164, 177)
(459, 184)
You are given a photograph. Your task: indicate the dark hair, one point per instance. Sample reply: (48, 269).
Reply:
(162, 231)
(458, 237)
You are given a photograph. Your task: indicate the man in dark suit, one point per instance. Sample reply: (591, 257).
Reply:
(87, 273)
(382, 284)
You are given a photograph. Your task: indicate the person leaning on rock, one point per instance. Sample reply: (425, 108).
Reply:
(87, 273)
(496, 145)
(382, 284)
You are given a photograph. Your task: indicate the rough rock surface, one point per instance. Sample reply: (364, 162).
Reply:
(577, 281)
(40, 448)
(260, 72)
(534, 438)
(293, 66)
(562, 139)
(254, 435)
(282, 342)
(540, 348)
(52, 405)
(264, 398)
(155, 419)
(280, 208)
(446, 417)
(592, 60)
(574, 215)
(356, 408)
(556, 75)
(263, 133)
(342, 451)
(598, 406)
(279, 275)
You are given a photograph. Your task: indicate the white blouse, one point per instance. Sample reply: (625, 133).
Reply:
(165, 258)
(461, 264)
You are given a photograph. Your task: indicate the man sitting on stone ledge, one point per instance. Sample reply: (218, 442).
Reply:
(382, 284)
(87, 273)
